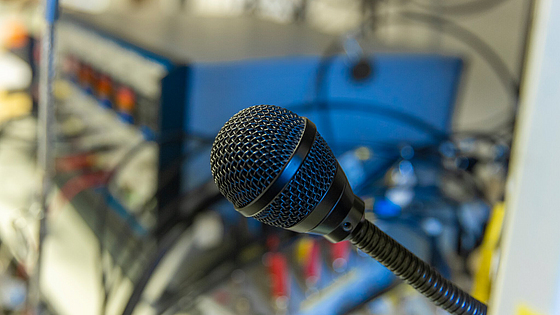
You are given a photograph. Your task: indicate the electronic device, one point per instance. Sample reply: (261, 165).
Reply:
(274, 166)
(133, 78)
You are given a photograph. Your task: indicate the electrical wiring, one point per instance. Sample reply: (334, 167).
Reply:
(184, 297)
(127, 157)
(170, 300)
(437, 135)
(164, 246)
(498, 65)
(438, 206)
(439, 24)
(322, 71)
(178, 225)
(165, 178)
(374, 109)
(419, 124)
(172, 169)
(384, 110)
(198, 199)
(102, 208)
(175, 204)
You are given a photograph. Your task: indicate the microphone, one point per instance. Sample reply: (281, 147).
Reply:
(274, 166)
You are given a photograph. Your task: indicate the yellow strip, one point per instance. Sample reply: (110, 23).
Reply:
(481, 286)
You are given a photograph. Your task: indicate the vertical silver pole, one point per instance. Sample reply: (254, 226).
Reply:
(45, 136)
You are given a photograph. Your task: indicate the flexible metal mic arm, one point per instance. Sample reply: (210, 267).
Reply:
(414, 271)
(305, 190)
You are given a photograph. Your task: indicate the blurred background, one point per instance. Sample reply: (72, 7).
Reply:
(417, 98)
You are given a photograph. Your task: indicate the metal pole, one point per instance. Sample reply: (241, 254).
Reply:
(45, 136)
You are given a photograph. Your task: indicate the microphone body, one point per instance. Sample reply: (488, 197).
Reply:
(274, 166)
(338, 211)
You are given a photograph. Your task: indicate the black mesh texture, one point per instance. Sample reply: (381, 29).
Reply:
(251, 149)
(305, 190)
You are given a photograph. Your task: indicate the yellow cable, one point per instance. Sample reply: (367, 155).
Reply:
(482, 280)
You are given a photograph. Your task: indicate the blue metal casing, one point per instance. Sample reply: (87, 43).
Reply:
(418, 86)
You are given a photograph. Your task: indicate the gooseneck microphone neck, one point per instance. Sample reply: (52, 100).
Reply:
(413, 270)
(274, 166)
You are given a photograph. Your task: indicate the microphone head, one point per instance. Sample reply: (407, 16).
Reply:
(251, 154)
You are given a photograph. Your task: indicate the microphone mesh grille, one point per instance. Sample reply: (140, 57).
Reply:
(306, 189)
(251, 149)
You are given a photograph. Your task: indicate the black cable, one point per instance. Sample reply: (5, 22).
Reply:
(386, 111)
(196, 208)
(498, 65)
(466, 8)
(166, 177)
(199, 199)
(123, 162)
(322, 71)
(171, 170)
(102, 208)
(412, 121)
(167, 242)
(133, 217)
(439, 24)
(421, 276)
(371, 108)
(185, 295)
